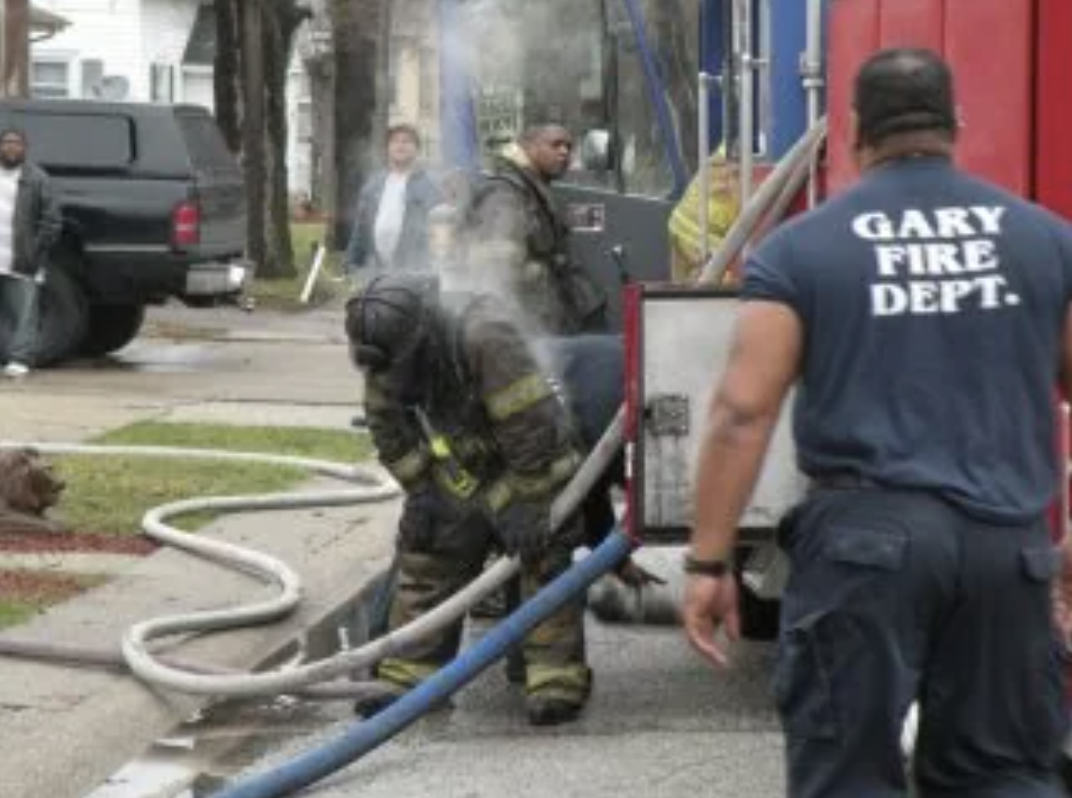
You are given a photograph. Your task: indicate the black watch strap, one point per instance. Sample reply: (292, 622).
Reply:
(713, 568)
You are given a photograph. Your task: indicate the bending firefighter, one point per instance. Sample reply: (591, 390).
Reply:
(465, 420)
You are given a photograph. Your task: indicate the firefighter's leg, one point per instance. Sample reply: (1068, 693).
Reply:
(994, 711)
(870, 570)
(427, 576)
(557, 678)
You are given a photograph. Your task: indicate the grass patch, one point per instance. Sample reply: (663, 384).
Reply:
(24, 594)
(285, 294)
(13, 613)
(109, 494)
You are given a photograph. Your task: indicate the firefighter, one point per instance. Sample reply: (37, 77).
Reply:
(463, 417)
(922, 564)
(518, 240)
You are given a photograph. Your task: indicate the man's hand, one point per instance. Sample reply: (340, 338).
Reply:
(711, 603)
(1062, 591)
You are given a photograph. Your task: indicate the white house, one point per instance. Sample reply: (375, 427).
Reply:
(132, 50)
(163, 51)
(147, 51)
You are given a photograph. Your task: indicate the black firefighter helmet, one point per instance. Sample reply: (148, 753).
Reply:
(388, 320)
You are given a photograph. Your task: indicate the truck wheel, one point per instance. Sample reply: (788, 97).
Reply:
(62, 318)
(111, 327)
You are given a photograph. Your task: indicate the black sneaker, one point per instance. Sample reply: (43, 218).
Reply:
(552, 711)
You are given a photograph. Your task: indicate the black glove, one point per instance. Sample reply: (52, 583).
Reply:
(416, 527)
(525, 529)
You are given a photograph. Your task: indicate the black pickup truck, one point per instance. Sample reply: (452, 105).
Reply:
(153, 208)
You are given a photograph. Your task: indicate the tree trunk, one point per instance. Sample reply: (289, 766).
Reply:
(254, 164)
(254, 40)
(359, 28)
(227, 74)
(15, 49)
(281, 20)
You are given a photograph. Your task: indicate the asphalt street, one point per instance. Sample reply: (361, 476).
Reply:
(660, 722)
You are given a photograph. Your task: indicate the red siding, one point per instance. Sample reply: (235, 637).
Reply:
(995, 92)
(1053, 161)
(912, 23)
(853, 36)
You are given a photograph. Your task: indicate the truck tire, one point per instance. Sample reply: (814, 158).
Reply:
(63, 313)
(110, 328)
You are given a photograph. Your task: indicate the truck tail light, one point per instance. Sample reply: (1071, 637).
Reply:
(186, 224)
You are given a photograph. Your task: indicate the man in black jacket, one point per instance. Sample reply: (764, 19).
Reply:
(29, 225)
(519, 241)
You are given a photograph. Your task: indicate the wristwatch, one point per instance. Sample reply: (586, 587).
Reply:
(716, 569)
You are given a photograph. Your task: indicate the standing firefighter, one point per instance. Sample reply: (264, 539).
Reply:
(921, 558)
(519, 241)
(462, 416)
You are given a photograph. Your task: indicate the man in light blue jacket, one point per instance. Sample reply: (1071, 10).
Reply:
(390, 231)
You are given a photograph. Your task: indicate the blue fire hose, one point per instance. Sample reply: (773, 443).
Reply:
(367, 735)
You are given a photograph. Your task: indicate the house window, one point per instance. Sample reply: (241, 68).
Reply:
(162, 83)
(50, 80)
(92, 78)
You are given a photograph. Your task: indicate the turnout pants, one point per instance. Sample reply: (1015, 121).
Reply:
(898, 597)
(554, 652)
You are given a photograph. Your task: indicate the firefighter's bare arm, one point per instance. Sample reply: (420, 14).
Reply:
(1063, 586)
(764, 362)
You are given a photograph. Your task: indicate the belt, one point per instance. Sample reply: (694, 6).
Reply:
(843, 480)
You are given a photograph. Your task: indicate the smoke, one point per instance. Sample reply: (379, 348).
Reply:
(529, 63)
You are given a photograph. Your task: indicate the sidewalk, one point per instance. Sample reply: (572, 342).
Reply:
(63, 729)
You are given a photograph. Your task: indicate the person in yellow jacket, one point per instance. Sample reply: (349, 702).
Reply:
(686, 233)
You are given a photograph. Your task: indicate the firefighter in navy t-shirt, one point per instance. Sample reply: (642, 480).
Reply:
(923, 316)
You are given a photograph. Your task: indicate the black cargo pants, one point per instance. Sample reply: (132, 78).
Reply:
(898, 597)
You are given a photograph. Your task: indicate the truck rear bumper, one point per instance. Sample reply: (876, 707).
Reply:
(217, 279)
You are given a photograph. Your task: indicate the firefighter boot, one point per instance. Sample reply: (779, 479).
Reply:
(550, 711)
(375, 696)
(559, 699)
(393, 679)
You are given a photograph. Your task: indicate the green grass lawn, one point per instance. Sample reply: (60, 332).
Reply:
(12, 613)
(110, 493)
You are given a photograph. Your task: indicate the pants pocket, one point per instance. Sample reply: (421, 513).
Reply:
(803, 685)
(837, 623)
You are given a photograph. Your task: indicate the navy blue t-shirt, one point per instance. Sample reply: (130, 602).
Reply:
(932, 306)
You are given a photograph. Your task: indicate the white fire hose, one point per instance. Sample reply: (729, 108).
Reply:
(208, 681)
